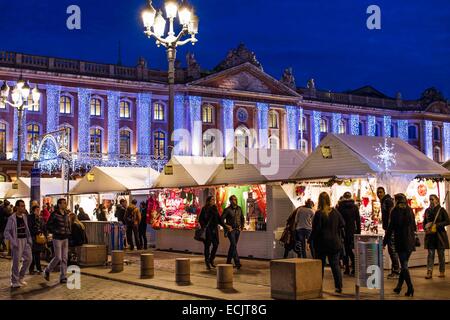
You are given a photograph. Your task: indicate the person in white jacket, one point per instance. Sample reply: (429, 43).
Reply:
(19, 237)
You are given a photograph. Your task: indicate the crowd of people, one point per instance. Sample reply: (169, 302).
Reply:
(330, 231)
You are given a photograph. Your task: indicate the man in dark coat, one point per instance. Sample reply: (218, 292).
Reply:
(5, 212)
(437, 241)
(350, 212)
(234, 221)
(387, 203)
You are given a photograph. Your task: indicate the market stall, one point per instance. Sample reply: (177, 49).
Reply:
(361, 164)
(250, 176)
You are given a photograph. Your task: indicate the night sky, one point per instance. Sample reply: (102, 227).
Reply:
(322, 39)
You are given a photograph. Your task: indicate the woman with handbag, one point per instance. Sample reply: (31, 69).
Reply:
(36, 225)
(209, 221)
(402, 225)
(436, 239)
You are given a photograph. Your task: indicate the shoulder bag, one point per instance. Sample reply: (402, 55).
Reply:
(430, 227)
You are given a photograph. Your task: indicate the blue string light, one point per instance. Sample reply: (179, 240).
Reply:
(195, 110)
(429, 139)
(84, 98)
(144, 102)
(316, 128)
(446, 141)
(354, 124)
(263, 134)
(178, 124)
(300, 120)
(53, 94)
(371, 126)
(292, 114)
(113, 123)
(335, 122)
(228, 124)
(16, 132)
(387, 122)
(403, 129)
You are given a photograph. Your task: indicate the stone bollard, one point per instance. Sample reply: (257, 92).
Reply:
(147, 266)
(224, 276)
(117, 260)
(183, 271)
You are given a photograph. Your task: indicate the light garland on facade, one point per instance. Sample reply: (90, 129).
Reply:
(387, 126)
(144, 105)
(262, 115)
(300, 119)
(292, 114)
(113, 123)
(316, 128)
(195, 110)
(84, 99)
(335, 122)
(446, 134)
(429, 139)
(53, 95)
(16, 131)
(354, 124)
(402, 129)
(371, 126)
(178, 124)
(228, 124)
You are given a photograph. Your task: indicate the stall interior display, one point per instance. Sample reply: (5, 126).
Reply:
(418, 194)
(251, 198)
(179, 208)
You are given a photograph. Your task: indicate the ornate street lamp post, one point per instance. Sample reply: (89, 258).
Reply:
(19, 97)
(155, 26)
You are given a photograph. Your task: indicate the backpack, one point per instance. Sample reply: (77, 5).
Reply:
(129, 216)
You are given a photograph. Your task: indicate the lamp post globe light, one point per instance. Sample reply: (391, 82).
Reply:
(155, 26)
(20, 101)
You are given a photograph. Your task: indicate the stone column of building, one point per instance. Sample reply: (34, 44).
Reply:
(84, 98)
(371, 126)
(446, 139)
(180, 141)
(387, 129)
(195, 117)
(335, 122)
(315, 126)
(228, 125)
(293, 118)
(403, 129)
(354, 124)
(143, 134)
(262, 115)
(16, 131)
(53, 93)
(427, 141)
(113, 124)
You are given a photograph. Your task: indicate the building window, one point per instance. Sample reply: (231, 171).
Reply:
(377, 130)
(159, 144)
(437, 154)
(361, 129)
(207, 114)
(273, 119)
(125, 111)
(412, 132)
(32, 135)
(302, 124)
(96, 140)
(69, 135)
(65, 105)
(96, 107)
(436, 134)
(303, 145)
(323, 126)
(158, 111)
(342, 127)
(33, 107)
(2, 137)
(125, 142)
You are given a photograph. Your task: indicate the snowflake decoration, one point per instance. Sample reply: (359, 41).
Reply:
(386, 155)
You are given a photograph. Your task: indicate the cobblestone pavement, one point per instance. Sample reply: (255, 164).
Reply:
(91, 289)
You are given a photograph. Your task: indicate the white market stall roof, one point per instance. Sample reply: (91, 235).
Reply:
(4, 187)
(188, 171)
(353, 156)
(446, 165)
(115, 179)
(49, 186)
(251, 166)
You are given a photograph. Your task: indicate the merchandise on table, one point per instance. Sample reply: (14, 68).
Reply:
(179, 208)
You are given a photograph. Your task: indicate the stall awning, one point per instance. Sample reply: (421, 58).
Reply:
(114, 179)
(49, 186)
(347, 155)
(446, 165)
(188, 171)
(257, 166)
(4, 187)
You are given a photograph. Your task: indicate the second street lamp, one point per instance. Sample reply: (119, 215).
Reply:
(155, 26)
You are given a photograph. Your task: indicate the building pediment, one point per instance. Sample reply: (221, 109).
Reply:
(245, 77)
(438, 107)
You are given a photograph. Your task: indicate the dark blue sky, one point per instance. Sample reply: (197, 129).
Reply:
(324, 39)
